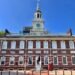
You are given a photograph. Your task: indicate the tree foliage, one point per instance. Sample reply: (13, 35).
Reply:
(2, 33)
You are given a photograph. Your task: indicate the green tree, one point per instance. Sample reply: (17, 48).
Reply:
(2, 33)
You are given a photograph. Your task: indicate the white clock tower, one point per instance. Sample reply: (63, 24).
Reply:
(38, 22)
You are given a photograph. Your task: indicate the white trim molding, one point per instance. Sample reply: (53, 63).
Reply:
(46, 57)
(31, 57)
(66, 60)
(54, 44)
(71, 59)
(12, 58)
(21, 58)
(57, 60)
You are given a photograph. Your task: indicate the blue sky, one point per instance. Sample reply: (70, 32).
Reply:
(59, 15)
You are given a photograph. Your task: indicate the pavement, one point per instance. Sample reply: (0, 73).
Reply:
(45, 72)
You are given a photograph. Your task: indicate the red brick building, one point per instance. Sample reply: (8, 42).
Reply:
(35, 48)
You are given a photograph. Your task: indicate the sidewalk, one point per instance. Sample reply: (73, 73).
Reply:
(44, 72)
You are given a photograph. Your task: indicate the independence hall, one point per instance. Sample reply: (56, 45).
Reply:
(35, 47)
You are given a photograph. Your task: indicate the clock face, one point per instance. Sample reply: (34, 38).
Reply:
(38, 25)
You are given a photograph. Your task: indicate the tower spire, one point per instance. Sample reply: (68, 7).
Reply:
(38, 4)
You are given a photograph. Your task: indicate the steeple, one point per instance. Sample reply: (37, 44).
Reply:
(38, 22)
(38, 5)
(38, 11)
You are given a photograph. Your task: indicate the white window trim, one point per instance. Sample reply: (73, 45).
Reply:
(36, 60)
(4, 63)
(12, 52)
(19, 62)
(71, 60)
(22, 43)
(12, 44)
(46, 52)
(30, 47)
(44, 44)
(28, 60)
(66, 60)
(54, 52)
(30, 52)
(72, 46)
(63, 42)
(72, 52)
(38, 52)
(5, 44)
(39, 45)
(3, 52)
(13, 63)
(3, 60)
(55, 44)
(44, 60)
(21, 52)
(53, 60)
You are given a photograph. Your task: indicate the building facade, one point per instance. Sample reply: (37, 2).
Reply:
(36, 48)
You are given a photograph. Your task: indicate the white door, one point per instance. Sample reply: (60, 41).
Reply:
(38, 63)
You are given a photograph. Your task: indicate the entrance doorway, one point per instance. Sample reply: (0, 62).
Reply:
(38, 63)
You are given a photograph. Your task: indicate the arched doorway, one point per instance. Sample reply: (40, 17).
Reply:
(38, 63)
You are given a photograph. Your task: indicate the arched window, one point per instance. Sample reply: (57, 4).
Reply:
(21, 60)
(38, 15)
(11, 60)
(3, 59)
